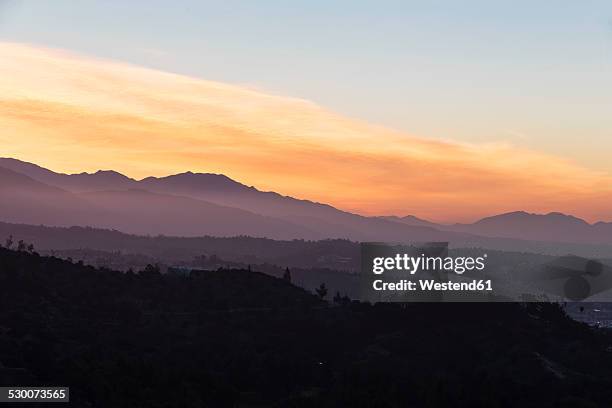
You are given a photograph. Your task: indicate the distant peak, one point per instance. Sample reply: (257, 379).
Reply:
(525, 216)
(196, 181)
(196, 176)
(112, 173)
(409, 220)
(412, 217)
(559, 214)
(20, 165)
(512, 213)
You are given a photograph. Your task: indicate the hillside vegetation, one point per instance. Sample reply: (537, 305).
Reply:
(230, 338)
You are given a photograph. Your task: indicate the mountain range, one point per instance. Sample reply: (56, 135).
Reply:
(185, 204)
(196, 204)
(552, 227)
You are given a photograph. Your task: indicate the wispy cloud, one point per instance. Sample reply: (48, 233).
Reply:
(516, 134)
(73, 113)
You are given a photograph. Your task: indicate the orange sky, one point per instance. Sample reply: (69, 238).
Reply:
(71, 114)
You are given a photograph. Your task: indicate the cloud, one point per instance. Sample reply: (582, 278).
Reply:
(73, 113)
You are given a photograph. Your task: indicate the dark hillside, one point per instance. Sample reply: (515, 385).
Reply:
(238, 338)
(338, 254)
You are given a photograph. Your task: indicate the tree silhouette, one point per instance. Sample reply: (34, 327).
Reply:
(150, 271)
(287, 275)
(9, 242)
(341, 300)
(321, 291)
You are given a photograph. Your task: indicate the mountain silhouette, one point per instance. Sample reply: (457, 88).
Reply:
(220, 189)
(101, 180)
(553, 226)
(411, 220)
(330, 222)
(196, 204)
(24, 200)
(12, 182)
(142, 212)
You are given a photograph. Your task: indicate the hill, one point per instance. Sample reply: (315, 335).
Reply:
(238, 338)
(337, 254)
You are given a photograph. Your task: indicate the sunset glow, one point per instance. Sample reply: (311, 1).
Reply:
(72, 113)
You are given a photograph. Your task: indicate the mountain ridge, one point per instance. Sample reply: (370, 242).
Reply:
(230, 208)
(315, 220)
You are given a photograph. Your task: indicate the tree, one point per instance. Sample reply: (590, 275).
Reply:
(9, 242)
(21, 245)
(341, 300)
(321, 291)
(151, 271)
(287, 275)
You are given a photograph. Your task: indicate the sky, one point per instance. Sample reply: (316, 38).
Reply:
(446, 110)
